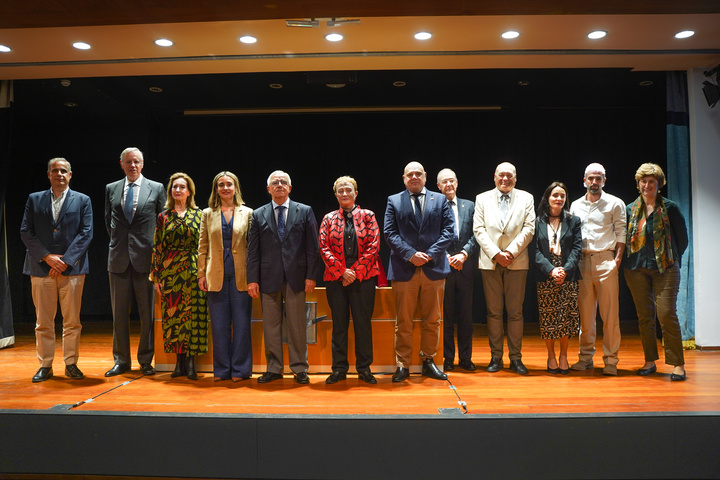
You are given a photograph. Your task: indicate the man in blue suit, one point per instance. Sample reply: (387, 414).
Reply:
(419, 227)
(132, 205)
(462, 256)
(282, 264)
(57, 228)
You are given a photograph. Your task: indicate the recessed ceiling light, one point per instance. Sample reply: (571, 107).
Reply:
(510, 34)
(3, 48)
(163, 42)
(399, 83)
(276, 86)
(685, 34)
(70, 104)
(155, 89)
(423, 36)
(646, 83)
(524, 83)
(333, 37)
(81, 46)
(597, 34)
(247, 39)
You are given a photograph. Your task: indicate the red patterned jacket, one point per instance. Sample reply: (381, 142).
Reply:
(332, 252)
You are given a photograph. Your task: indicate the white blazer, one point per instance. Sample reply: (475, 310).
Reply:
(494, 237)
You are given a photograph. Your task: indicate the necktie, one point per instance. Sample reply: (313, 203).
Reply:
(129, 200)
(452, 209)
(281, 221)
(418, 208)
(504, 205)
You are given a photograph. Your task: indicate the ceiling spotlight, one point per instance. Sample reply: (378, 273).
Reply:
(81, 46)
(339, 23)
(646, 83)
(597, 34)
(333, 37)
(524, 83)
(423, 36)
(685, 34)
(3, 48)
(163, 42)
(155, 89)
(65, 82)
(276, 86)
(399, 83)
(302, 23)
(510, 34)
(70, 104)
(248, 39)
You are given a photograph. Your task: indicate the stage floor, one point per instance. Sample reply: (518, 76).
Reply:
(502, 393)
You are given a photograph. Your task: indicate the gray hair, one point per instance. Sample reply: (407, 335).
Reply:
(445, 170)
(59, 159)
(279, 173)
(131, 150)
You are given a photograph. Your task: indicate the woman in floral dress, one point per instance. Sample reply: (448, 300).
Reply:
(174, 262)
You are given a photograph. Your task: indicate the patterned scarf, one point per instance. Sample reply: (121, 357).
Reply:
(661, 232)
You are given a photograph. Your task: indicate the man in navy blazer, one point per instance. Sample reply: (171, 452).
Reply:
(57, 228)
(462, 256)
(282, 264)
(131, 209)
(419, 227)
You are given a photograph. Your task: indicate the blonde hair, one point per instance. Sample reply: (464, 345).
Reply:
(344, 179)
(170, 203)
(214, 201)
(650, 170)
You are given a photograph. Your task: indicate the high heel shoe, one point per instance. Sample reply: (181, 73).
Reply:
(554, 371)
(563, 371)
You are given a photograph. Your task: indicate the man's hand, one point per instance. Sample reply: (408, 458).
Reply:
(457, 261)
(504, 258)
(55, 262)
(309, 285)
(254, 289)
(202, 283)
(419, 259)
(55, 273)
(158, 288)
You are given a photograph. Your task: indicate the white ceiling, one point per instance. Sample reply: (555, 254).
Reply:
(641, 42)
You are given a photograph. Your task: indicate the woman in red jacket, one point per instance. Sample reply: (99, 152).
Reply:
(349, 246)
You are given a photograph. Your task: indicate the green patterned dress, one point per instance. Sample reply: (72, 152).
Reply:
(174, 261)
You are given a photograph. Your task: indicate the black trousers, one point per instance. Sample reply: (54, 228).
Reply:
(358, 297)
(457, 308)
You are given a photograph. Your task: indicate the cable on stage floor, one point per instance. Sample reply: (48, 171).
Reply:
(103, 393)
(460, 402)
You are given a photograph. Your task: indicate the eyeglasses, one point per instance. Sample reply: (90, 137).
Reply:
(445, 181)
(281, 181)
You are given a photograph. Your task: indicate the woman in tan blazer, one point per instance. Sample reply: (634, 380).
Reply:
(222, 261)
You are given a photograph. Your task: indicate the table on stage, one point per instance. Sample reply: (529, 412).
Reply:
(319, 352)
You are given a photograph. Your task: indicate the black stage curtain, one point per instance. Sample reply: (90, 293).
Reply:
(7, 333)
(544, 144)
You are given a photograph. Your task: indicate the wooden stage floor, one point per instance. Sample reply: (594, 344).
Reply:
(502, 393)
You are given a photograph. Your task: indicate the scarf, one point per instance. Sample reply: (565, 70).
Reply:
(661, 232)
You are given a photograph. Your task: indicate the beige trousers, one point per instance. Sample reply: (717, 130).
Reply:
(46, 291)
(407, 294)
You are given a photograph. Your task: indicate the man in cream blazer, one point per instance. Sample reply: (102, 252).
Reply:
(504, 224)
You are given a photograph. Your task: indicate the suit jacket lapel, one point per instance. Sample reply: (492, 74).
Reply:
(119, 213)
(143, 195)
(270, 219)
(236, 225)
(291, 217)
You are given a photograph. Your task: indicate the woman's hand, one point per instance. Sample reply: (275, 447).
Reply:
(558, 275)
(348, 277)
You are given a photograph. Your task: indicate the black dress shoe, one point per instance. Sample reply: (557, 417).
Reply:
(643, 372)
(43, 374)
(400, 375)
(268, 377)
(72, 371)
(367, 376)
(302, 378)
(674, 377)
(429, 369)
(335, 377)
(496, 364)
(117, 369)
(448, 365)
(468, 365)
(518, 367)
(147, 369)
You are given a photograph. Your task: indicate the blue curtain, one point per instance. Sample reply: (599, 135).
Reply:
(678, 173)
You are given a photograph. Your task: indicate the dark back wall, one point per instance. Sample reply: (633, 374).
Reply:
(544, 145)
